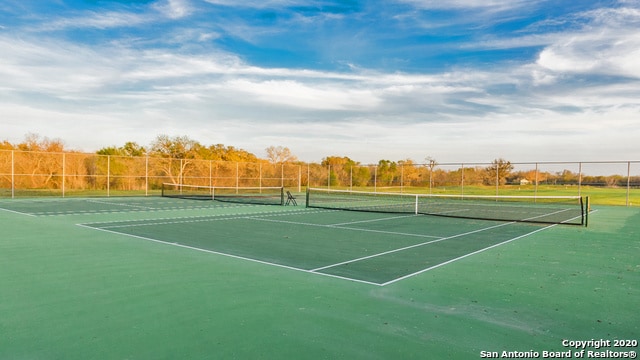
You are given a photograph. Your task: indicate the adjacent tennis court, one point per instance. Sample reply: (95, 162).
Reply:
(185, 276)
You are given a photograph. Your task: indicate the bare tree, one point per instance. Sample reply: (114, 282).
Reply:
(178, 153)
(279, 155)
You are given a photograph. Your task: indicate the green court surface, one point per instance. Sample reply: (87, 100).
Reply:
(159, 278)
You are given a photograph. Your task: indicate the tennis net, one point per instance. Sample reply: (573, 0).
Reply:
(535, 209)
(246, 195)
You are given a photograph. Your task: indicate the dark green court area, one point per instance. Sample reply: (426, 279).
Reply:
(372, 248)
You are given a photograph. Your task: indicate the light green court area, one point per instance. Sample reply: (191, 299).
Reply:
(157, 278)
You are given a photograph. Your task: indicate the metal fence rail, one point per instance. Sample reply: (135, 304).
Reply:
(24, 173)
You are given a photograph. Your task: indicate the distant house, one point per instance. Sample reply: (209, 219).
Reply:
(524, 182)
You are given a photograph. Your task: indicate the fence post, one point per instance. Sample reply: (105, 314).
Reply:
(497, 177)
(13, 175)
(64, 161)
(351, 177)
(375, 178)
(462, 180)
(299, 178)
(579, 178)
(628, 180)
(108, 175)
(401, 178)
(146, 175)
(535, 191)
(430, 177)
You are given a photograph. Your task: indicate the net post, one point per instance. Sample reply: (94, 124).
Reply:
(307, 197)
(282, 196)
(416, 205)
(587, 209)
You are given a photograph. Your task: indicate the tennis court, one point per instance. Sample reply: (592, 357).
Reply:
(371, 247)
(396, 283)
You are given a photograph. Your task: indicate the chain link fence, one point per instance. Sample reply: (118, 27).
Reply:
(24, 173)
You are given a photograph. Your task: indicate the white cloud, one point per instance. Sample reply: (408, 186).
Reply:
(98, 20)
(260, 3)
(603, 41)
(54, 67)
(166, 9)
(296, 94)
(175, 9)
(603, 52)
(468, 4)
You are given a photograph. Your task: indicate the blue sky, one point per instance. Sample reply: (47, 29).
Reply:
(459, 80)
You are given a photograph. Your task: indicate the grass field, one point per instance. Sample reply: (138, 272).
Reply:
(138, 278)
(598, 195)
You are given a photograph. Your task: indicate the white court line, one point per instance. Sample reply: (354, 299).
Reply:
(149, 210)
(344, 228)
(150, 222)
(188, 219)
(374, 220)
(17, 212)
(120, 204)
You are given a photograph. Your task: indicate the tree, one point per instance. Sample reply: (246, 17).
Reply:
(110, 150)
(341, 170)
(430, 164)
(280, 155)
(410, 173)
(179, 152)
(227, 153)
(177, 147)
(499, 169)
(133, 149)
(567, 177)
(387, 172)
(33, 142)
(6, 145)
(130, 149)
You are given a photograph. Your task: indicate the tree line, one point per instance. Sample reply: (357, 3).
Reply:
(164, 146)
(342, 170)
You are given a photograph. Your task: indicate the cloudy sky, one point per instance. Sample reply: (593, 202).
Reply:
(455, 80)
